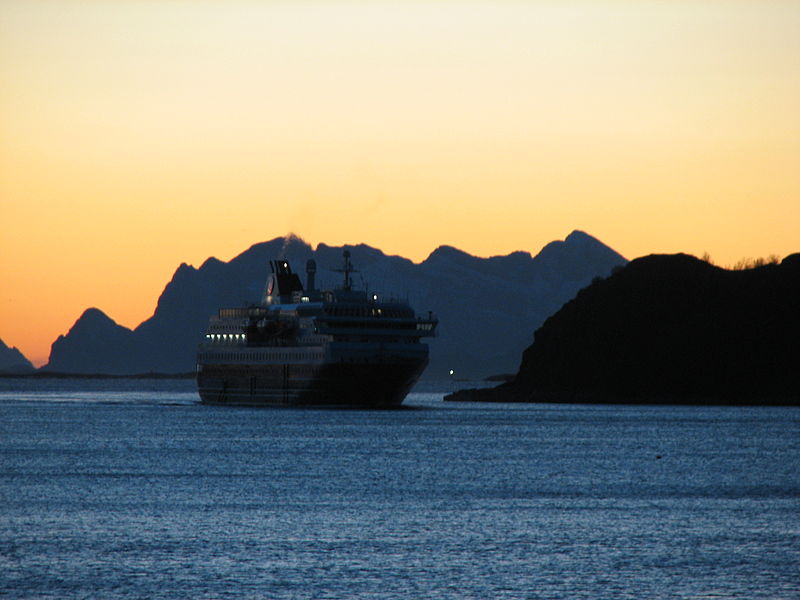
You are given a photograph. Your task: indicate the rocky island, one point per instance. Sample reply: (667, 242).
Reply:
(668, 329)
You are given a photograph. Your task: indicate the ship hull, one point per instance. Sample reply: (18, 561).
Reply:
(363, 385)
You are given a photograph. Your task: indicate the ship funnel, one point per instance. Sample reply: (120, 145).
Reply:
(282, 283)
(311, 271)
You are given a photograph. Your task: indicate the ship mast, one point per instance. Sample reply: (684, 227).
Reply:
(347, 269)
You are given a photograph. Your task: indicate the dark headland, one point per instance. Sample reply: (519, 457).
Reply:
(668, 329)
(12, 361)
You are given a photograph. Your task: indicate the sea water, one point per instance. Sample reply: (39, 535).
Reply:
(131, 489)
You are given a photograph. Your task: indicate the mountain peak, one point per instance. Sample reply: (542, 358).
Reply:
(92, 321)
(580, 237)
(93, 340)
(95, 316)
(578, 247)
(446, 251)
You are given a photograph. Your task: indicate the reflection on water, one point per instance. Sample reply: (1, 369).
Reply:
(131, 489)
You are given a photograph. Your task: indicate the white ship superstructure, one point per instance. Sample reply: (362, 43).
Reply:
(307, 346)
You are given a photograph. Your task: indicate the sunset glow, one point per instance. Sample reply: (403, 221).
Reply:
(137, 135)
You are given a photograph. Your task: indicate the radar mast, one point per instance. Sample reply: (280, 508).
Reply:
(347, 268)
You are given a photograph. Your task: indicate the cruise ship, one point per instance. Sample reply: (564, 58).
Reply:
(304, 346)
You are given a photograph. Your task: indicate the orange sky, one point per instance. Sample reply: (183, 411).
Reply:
(136, 135)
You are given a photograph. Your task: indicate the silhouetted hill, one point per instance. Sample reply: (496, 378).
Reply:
(94, 339)
(13, 361)
(668, 329)
(487, 307)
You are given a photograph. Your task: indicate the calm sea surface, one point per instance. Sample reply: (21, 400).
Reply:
(130, 489)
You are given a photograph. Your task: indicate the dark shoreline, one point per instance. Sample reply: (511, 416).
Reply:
(47, 375)
(508, 394)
